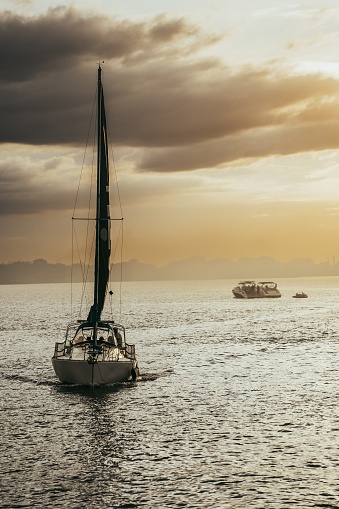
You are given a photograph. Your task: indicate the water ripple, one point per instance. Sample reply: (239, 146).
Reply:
(236, 406)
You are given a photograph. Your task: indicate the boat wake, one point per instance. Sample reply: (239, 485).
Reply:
(27, 379)
(150, 377)
(65, 387)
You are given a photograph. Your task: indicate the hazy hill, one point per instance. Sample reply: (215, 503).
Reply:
(40, 271)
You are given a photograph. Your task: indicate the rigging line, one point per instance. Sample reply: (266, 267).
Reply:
(74, 234)
(114, 169)
(82, 270)
(83, 161)
(116, 245)
(110, 144)
(90, 189)
(84, 266)
(111, 306)
(90, 257)
(88, 260)
(72, 263)
(122, 216)
(112, 263)
(121, 251)
(85, 272)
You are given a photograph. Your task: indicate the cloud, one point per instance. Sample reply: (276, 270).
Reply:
(65, 37)
(47, 77)
(29, 187)
(249, 147)
(185, 112)
(251, 116)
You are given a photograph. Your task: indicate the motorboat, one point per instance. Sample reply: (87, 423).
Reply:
(300, 295)
(253, 290)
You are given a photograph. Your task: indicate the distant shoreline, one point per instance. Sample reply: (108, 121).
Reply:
(40, 271)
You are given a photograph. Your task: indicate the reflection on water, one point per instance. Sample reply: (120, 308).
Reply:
(236, 406)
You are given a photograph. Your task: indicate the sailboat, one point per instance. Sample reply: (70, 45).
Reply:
(95, 351)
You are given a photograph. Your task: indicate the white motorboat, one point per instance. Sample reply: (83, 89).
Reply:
(300, 295)
(95, 351)
(253, 290)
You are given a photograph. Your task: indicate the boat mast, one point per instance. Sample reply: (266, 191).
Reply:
(97, 217)
(102, 216)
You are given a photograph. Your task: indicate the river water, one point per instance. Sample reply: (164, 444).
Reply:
(237, 405)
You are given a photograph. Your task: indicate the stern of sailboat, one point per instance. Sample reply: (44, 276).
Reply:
(86, 359)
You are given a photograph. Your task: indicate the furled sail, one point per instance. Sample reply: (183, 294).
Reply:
(103, 242)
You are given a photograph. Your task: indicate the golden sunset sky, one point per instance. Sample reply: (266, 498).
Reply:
(224, 118)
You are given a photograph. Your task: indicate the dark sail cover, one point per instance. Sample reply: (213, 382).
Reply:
(103, 243)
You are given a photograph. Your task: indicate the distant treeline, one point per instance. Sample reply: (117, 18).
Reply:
(40, 271)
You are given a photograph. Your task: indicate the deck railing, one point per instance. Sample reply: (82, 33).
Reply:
(63, 349)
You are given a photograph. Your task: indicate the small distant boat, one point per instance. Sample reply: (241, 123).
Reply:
(95, 351)
(253, 290)
(300, 295)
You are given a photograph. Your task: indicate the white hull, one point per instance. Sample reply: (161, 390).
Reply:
(100, 373)
(107, 360)
(242, 295)
(252, 290)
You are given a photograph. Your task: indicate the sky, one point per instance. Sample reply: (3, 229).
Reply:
(223, 118)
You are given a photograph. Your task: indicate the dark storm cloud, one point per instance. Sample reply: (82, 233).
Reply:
(246, 146)
(186, 112)
(48, 76)
(63, 38)
(201, 109)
